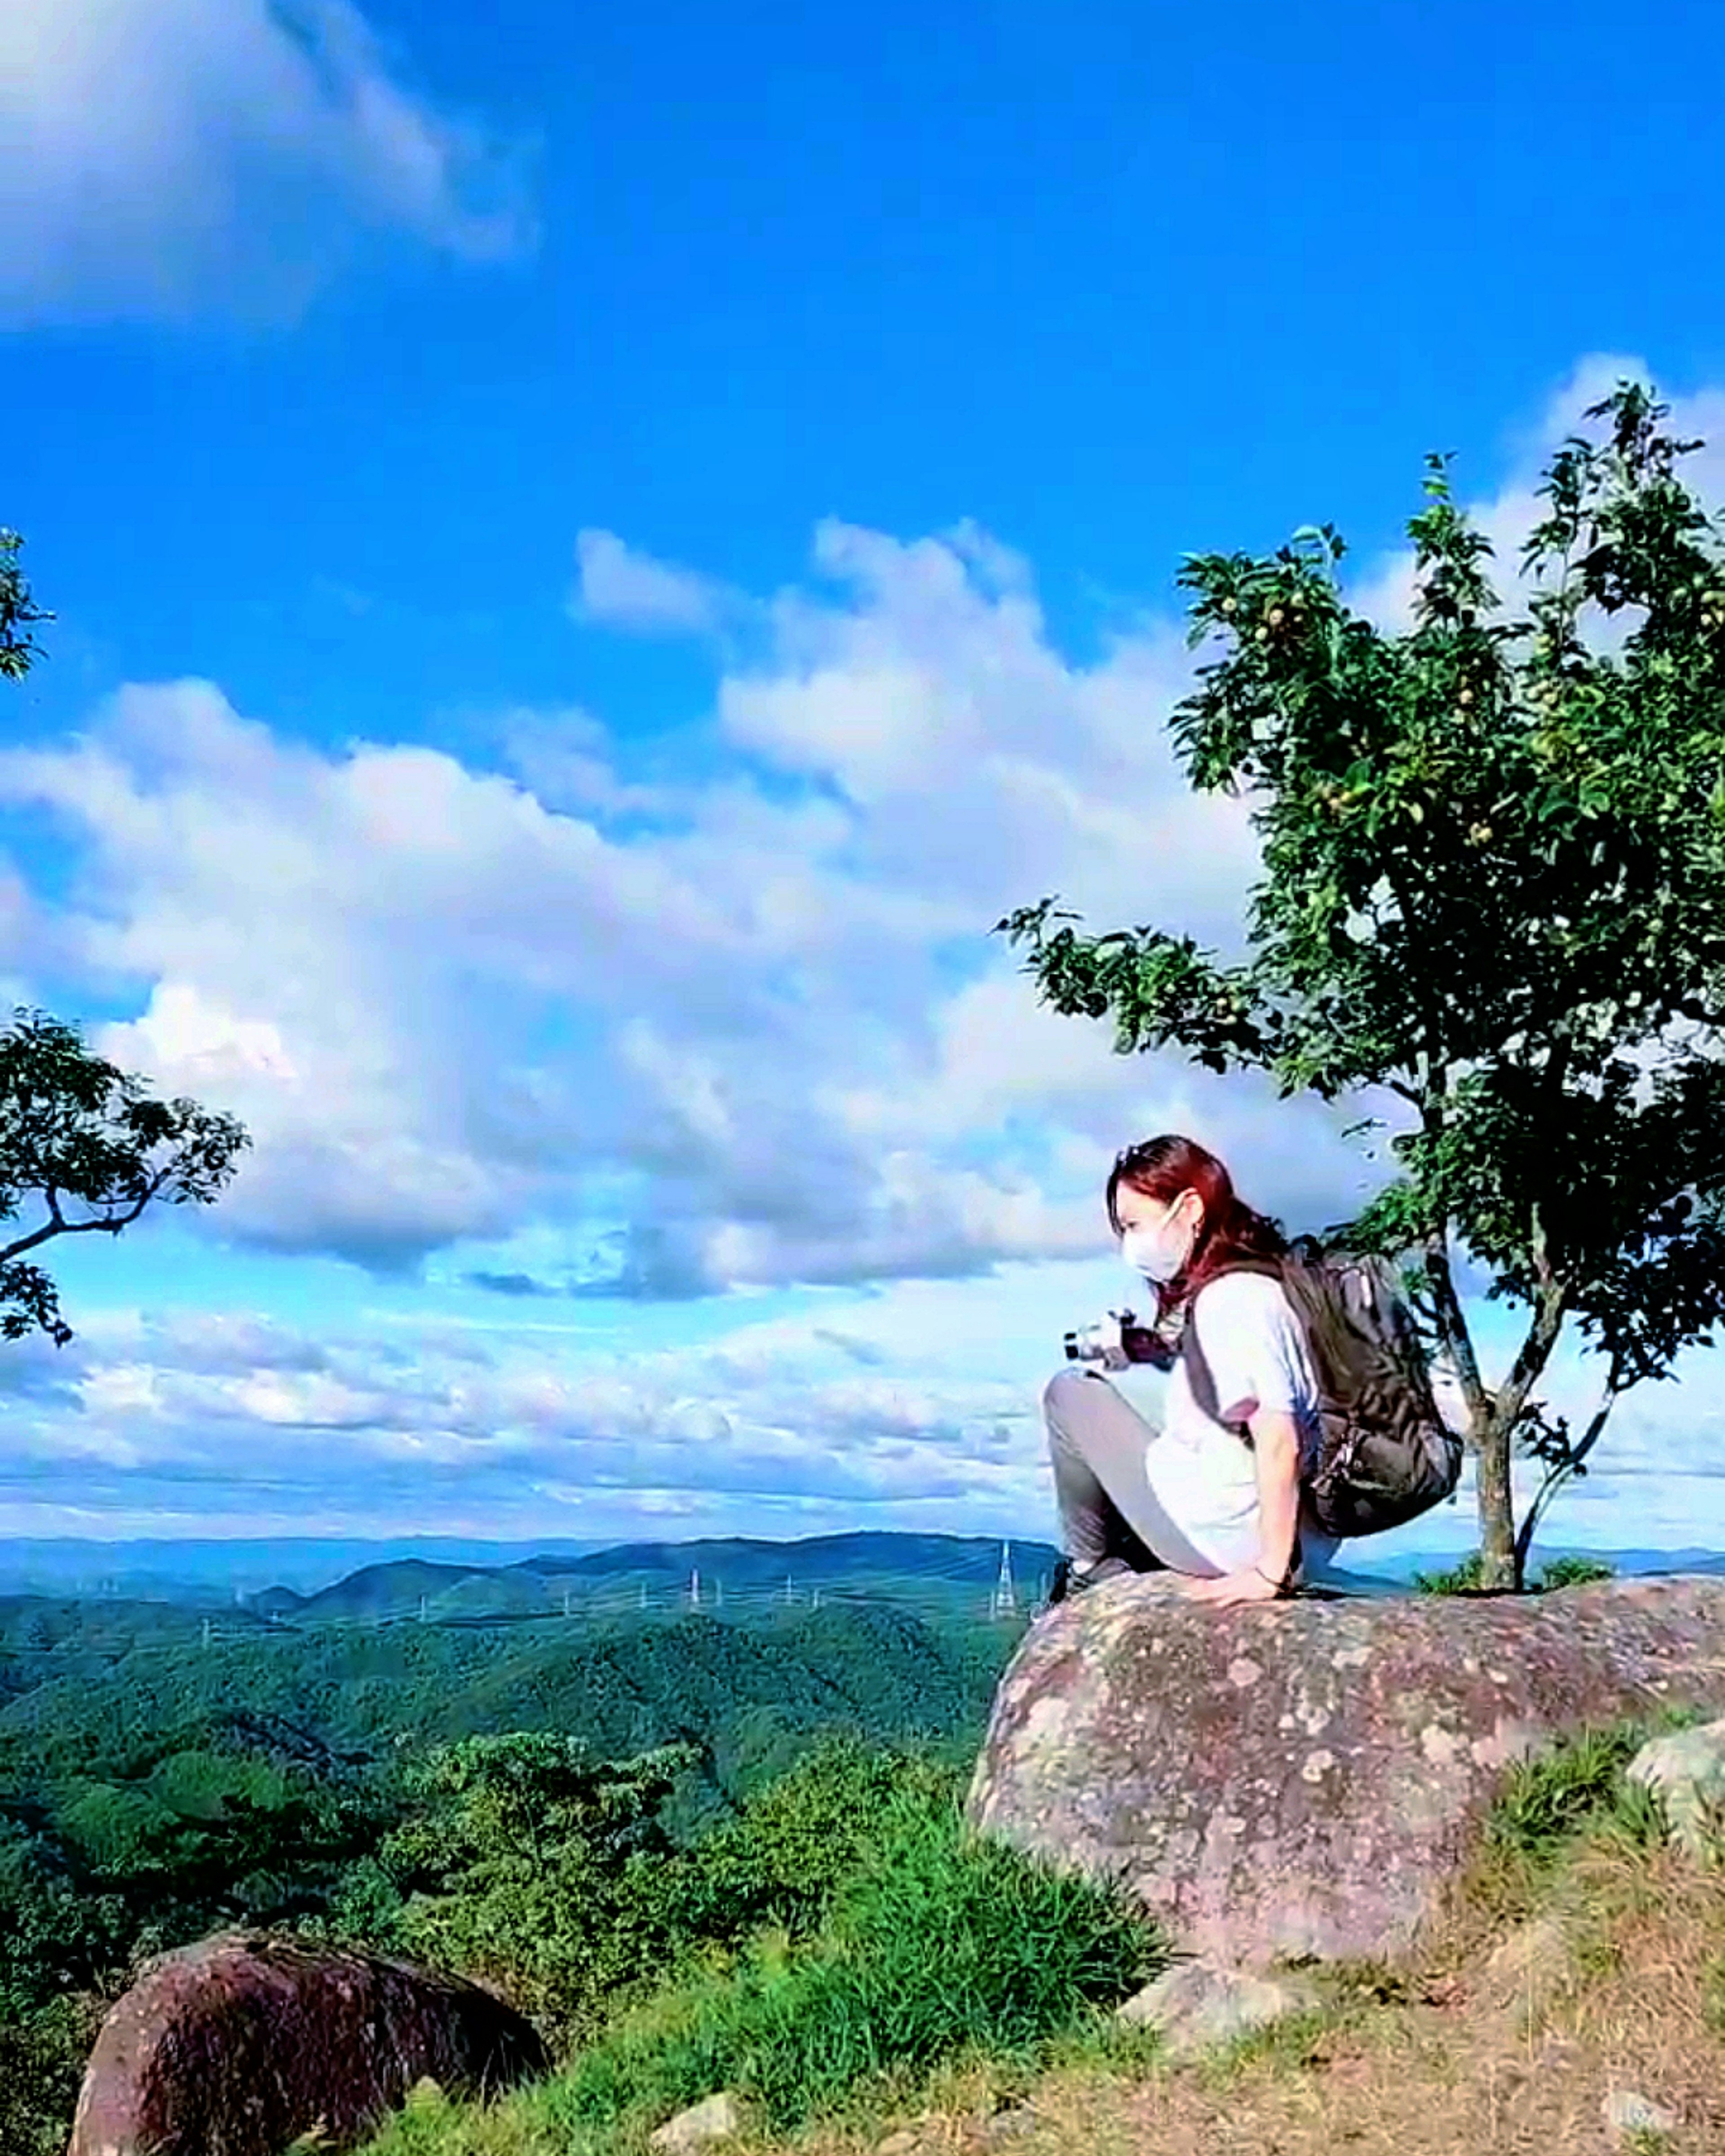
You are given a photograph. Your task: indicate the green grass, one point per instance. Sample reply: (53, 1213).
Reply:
(1713, 1994)
(1545, 1802)
(941, 1947)
(942, 1944)
(1463, 1579)
(1574, 1572)
(1547, 1806)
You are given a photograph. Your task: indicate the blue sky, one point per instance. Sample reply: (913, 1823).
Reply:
(594, 556)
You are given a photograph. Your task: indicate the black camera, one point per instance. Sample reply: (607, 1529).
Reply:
(1120, 1340)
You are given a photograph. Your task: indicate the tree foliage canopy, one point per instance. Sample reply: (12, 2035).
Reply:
(19, 613)
(1494, 886)
(94, 1146)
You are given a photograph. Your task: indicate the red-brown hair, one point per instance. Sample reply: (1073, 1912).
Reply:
(1162, 1168)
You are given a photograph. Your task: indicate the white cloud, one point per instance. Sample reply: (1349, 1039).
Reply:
(166, 158)
(360, 952)
(449, 1002)
(913, 1406)
(176, 1412)
(622, 586)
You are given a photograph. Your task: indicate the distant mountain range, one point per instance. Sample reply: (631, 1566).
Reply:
(453, 1580)
(216, 1572)
(740, 1572)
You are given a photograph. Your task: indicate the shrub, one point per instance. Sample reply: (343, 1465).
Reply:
(1579, 1785)
(1463, 1579)
(1574, 1572)
(1468, 1577)
(780, 1862)
(535, 1866)
(42, 2057)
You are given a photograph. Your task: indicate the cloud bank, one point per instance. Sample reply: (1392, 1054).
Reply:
(163, 159)
(768, 1010)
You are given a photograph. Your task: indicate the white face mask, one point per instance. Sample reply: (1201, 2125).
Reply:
(1159, 1252)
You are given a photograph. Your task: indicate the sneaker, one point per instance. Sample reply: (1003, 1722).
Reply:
(1070, 1580)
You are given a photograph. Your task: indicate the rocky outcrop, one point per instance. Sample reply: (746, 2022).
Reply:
(1302, 1778)
(237, 2046)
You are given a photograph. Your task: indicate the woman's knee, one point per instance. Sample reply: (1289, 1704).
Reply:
(1064, 1391)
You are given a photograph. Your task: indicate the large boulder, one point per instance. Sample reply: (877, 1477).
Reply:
(1303, 1778)
(239, 2044)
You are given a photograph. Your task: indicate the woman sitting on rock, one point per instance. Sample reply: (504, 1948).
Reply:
(1215, 1494)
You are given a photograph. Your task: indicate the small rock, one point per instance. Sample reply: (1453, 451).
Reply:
(1687, 1772)
(1198, 2004)
(713, 2119)
(1627, 2112)
(898, 2144)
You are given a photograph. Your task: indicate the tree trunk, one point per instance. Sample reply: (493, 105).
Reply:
(1496, 1509)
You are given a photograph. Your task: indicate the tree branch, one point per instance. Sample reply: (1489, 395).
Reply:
(1540, 1252)
(1452, 1325)
(1560, 1472)
(110, 1224)
(1534, 1353)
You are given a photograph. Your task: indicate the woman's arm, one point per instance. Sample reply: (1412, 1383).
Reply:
(1276, 1453)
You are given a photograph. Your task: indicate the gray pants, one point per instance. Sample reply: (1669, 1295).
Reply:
(1097, 1440)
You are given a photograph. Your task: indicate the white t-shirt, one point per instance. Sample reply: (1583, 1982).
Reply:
(1205, 1475)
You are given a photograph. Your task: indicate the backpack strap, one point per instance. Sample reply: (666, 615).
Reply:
(1198, 1370)
(1203, 1382)
(1270, 1268)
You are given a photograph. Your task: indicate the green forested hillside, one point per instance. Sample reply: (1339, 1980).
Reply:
(86, 1707)
(163, 1773)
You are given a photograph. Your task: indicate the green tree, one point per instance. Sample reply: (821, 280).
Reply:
(90, 1145)
(82, 1137)
(783, 1857)
(42, 2056)
(19, 613)
(537, 1867)
(1493, 887)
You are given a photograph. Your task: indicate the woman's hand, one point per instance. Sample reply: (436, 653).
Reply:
(1248, 1584)
(1276, 1445)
